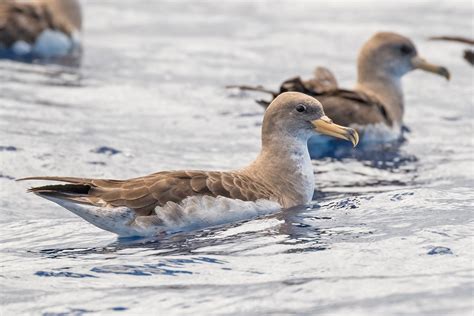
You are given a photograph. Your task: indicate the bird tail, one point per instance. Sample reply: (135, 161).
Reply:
(253, 88)
(263, 103)
(76, 190)
(75, 196)
(459, 39)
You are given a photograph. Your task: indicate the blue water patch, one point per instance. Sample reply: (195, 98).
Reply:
(70, 312)
(106, 150)
(8, 148)
(440, 251)
(347, 203)
(82, 311)
(165, 267)
(400, 196)
(6, 53)
(387, 156)
(322, 147)
(307, 249)
(96, 163)
(119, 309)
(139, 270)
(210, 260)
(178, 262)
(65, 274)
(4, 176)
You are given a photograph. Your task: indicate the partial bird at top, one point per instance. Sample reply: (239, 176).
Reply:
(375, 106)
(40, 29)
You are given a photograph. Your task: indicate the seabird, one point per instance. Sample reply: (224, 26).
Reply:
(468, 53)
(281, 176)
(375, 106)
(39, 29)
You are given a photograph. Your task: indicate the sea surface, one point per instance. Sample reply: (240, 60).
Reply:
(383, 236)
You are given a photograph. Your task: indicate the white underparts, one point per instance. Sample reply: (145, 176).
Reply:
(378, 133)
(48, 44)
(192, 213)
(303, 164)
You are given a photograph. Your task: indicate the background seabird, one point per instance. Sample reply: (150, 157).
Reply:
(375, 107)
(468, 52)
(39, 28)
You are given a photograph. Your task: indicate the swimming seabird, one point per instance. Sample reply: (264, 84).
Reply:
(375, 106)
(39, 28)
(468, 52)
(282, 175)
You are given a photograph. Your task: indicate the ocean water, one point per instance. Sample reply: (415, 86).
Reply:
(389, 235)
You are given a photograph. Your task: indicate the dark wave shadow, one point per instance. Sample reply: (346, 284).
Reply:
(387, 156)
(71, 60)
(339, 149)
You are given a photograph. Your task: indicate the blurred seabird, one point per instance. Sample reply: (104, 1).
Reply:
(39, 29)
(468, 53)
(375, 107)
(282, 175)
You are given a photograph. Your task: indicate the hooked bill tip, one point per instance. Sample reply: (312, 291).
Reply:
(354, 137)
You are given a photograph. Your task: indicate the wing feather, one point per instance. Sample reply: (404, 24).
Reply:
(345, 107)
(144, 194)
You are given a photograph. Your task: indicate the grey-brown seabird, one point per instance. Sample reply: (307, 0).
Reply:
(39, 28)
(468, 52)
(280, 177)
(375, 106)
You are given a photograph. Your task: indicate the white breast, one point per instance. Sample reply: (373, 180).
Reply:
(305, 174)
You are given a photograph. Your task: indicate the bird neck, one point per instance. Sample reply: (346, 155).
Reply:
(385, 86)
(285, 165)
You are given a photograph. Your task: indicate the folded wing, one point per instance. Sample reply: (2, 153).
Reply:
(145, 193)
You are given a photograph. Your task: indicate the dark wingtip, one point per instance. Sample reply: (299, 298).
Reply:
(459, 39)
(34, 178)
(61, 188)
(263, 103)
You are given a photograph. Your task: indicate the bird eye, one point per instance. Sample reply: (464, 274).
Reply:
(406, 50)
(301, 108)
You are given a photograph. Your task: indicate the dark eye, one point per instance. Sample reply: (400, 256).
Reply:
(301, 108)
(406, 50)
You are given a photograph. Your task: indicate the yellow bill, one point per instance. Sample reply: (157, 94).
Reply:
(420, 63)
(325, 126)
